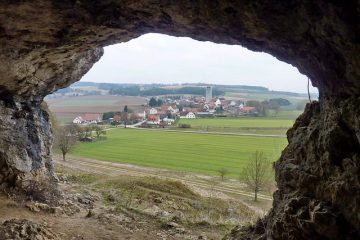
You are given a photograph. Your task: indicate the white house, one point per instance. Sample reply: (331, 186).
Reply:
(78, 120)
(153, 111)
(188, 115)
(218, 102)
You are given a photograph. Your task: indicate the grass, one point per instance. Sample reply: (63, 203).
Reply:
(194, 152)
(253, 125)
(239, 122)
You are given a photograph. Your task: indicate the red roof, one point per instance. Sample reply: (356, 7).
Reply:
(92, 117)
(153, 117)
(117, 118)
(248, 109)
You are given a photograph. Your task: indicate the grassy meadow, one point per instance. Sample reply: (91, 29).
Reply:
(252, 125)
(192, 152)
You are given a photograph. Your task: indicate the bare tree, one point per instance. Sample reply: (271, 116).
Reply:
(256, 173)
(222, 172)
(65, 140)
(99, 131)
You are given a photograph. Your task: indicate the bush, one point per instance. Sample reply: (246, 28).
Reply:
(184, 125)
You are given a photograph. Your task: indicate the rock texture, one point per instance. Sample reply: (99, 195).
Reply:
(318, 177)
(16, 229)
(48, 44)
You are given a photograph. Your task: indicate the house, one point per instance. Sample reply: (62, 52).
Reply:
(218, 102)
(92, 118)
(169, 121)
(188, 115)
(248, 110)
(153, 111)
(117, 118)
(153, 119)
(78, 120)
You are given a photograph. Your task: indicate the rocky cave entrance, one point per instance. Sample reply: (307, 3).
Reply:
(317, 174)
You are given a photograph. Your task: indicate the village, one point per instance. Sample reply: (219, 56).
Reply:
(164, 111)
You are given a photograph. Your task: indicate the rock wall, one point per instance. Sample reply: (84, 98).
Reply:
(49, 44)
(25, 153)
(318, 177)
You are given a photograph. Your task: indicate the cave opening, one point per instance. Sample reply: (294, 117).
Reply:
(318, 172)
(156, 61)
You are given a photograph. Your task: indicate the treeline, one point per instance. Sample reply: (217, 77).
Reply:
(136, 91)
(273, 104)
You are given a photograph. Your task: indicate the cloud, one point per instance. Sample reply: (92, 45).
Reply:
(157, 58)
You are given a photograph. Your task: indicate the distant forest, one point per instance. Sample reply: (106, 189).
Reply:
(163, 89)
(136, 91)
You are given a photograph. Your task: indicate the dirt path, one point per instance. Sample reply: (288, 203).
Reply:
(116, 169)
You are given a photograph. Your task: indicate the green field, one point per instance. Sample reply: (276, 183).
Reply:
(67, 108)
(194, 152)
(254, 125)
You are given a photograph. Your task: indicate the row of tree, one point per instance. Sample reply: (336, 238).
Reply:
(263, 107)
(157, 91)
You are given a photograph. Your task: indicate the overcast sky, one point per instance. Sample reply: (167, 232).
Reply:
(157, 58)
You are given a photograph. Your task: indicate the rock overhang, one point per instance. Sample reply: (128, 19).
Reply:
(49, 44)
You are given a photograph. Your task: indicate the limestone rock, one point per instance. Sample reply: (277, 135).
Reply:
(47, 45)
(24, 229)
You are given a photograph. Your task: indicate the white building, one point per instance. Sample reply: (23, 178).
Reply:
(208, 94)
(78, 120)
(218, 102)
(153, 111)
(190, 115)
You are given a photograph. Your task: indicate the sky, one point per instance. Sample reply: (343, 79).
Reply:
(158, 58)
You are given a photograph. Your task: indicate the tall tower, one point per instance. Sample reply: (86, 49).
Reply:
(208, 96)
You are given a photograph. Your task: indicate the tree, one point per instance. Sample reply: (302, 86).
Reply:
(88, 130)
(153, 102)
(99, 131)
(256, 173)
(126, 109)
(222, 172)
(65, 140)
(159, 102)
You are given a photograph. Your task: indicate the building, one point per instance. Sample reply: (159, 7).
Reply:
(153, 111)
(153, 119)
(78, 120)
(188, 115)
(208, 95)
(92, 118)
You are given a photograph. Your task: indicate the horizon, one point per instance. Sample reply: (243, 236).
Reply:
(162, 59)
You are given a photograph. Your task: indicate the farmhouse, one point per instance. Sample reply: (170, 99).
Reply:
(153, 119)
(92, 118)
(78, 120)
(188, 115)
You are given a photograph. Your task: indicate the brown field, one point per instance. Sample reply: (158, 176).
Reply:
(67, 108)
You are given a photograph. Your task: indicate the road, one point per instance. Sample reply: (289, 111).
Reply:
(117, 169)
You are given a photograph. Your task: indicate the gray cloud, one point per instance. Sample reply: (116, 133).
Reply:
(157, 58)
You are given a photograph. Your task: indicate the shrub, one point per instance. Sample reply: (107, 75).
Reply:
(184, 125)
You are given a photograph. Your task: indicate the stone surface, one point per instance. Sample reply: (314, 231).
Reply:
(49, 44)
(17, 229)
